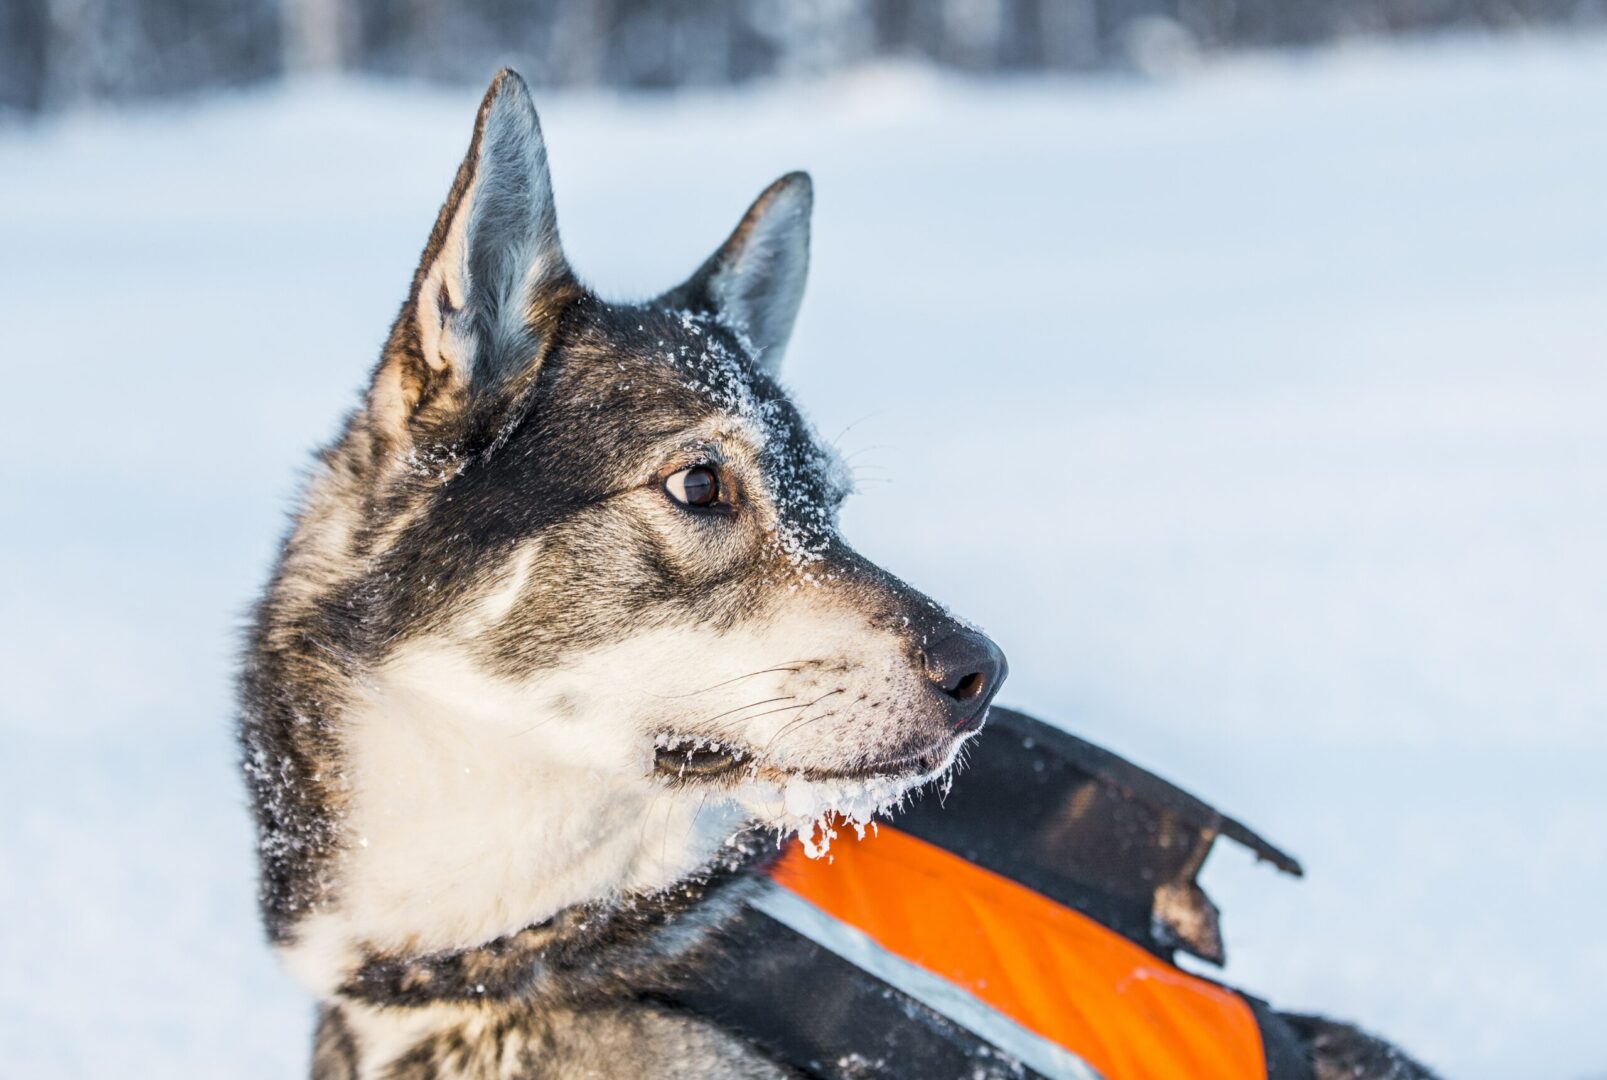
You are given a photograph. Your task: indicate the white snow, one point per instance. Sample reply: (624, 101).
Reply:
(1259, 415)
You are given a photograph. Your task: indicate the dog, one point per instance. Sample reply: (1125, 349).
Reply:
(562, 638)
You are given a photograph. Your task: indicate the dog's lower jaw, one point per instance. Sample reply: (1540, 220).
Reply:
(814, 805)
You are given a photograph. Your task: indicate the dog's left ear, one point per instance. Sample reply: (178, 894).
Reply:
(755, 282)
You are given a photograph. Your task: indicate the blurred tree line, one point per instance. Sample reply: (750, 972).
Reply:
(55, 52)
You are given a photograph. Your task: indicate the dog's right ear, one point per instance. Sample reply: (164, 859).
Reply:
(492, 278)
(756, 280)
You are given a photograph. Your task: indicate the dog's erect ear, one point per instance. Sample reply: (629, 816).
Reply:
(755, 282)
(492, 274)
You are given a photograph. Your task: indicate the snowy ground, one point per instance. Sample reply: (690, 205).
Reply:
(1259, 415)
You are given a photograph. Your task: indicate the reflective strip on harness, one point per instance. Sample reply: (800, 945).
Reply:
(992, 1027)
(1050, 969)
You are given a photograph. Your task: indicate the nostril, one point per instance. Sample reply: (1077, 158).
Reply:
(969, 688)
(966, 670)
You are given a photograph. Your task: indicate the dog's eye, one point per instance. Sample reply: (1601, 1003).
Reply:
(697, 486)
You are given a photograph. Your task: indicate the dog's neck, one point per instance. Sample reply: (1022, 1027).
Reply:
(632, 945)
(469, 840)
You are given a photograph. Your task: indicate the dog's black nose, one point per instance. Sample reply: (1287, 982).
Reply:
(966, 669)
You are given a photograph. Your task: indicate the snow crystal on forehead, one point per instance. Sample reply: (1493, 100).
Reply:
(807, 478)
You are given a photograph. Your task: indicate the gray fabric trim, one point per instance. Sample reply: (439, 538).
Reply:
(982, 1020)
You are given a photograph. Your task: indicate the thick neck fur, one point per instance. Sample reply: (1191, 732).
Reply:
(475, 812)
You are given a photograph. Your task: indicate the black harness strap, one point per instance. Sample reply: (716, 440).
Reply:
(823, 1015)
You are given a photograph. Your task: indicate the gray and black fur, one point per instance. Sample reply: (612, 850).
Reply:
(534, 432)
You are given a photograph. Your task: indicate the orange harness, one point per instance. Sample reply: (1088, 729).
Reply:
(1054, 971)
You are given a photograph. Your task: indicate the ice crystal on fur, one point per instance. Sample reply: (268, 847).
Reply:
(813, 809)
(808, 480)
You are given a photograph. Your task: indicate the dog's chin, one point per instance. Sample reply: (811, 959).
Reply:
(810, 799)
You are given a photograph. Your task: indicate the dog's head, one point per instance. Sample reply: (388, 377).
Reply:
(600, 537)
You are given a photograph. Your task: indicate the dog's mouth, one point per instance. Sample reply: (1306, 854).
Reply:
(810, 801)
(691, 761)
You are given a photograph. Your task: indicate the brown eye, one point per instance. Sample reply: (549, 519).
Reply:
(697, 486)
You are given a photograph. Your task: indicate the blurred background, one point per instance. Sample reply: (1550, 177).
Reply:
(55, 53)
(1238, 364)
